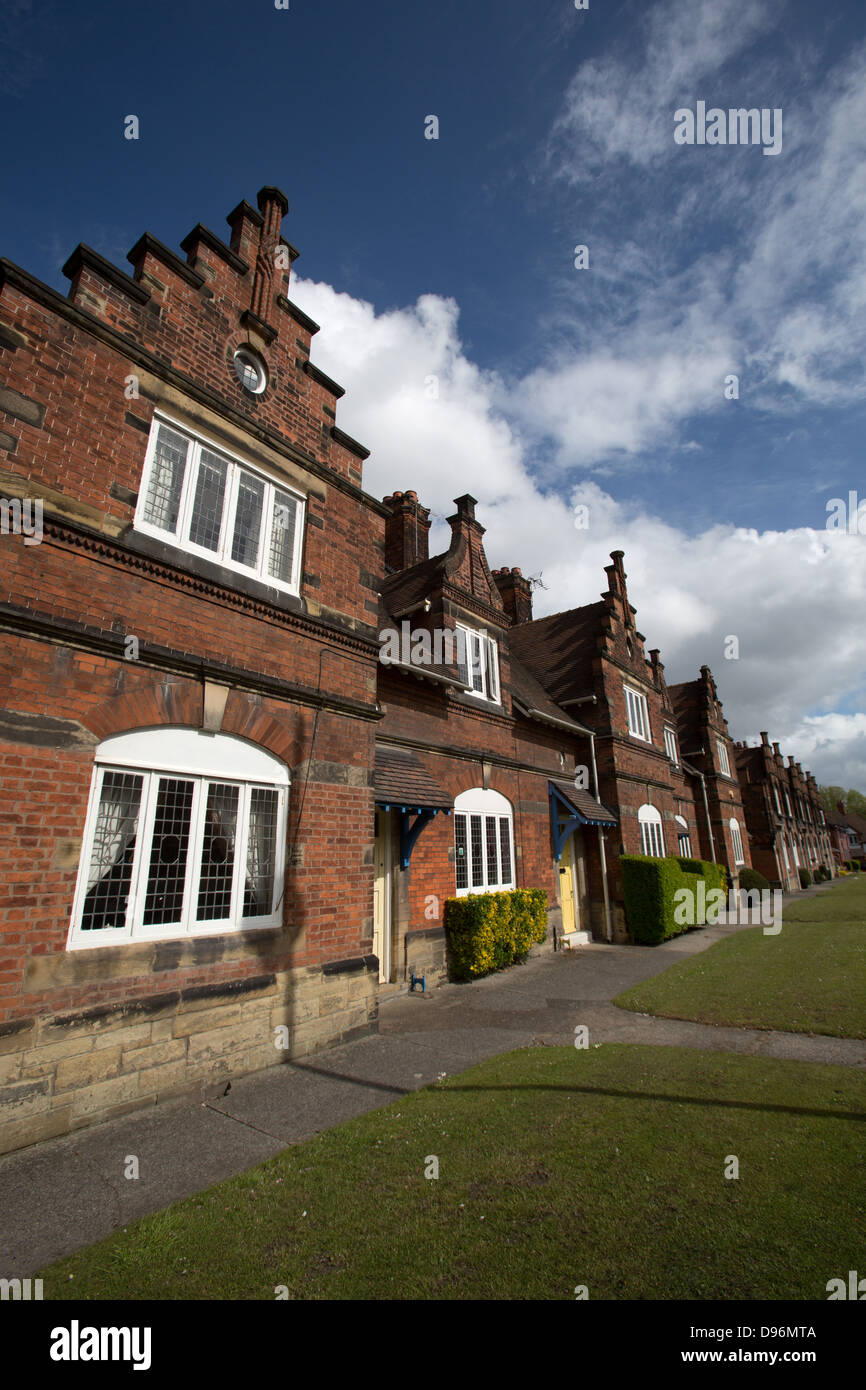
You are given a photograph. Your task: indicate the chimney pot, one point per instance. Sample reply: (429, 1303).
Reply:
(407, 531)
(515, 592)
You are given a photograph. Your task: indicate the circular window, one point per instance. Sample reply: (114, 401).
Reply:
(251, 371)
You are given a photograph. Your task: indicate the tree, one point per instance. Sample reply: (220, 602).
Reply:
(830, 796)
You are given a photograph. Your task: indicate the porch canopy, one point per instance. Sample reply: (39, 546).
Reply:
(401, 783)
(571, 807)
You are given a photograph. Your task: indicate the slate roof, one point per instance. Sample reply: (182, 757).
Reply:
(401, 780)
(586, 805)
(558, 650)
(531, 694)
(413, 585)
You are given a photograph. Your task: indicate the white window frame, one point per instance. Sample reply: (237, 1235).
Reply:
(481, 664)
(473, 810)
(776, 799)
(236, 465)
(203, 759)
(683, 835)
(724, 761)
(736, 841)
(637, 714)
(652, 837)
(671, 745)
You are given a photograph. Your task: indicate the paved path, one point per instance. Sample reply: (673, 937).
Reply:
(61, 1195)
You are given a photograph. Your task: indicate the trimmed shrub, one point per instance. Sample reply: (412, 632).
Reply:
(650, 886)
(805, 877)
(855, 865)
(487, 931)
(750, 878)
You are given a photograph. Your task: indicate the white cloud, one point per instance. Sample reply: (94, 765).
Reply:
(791, 598)
(622, 105)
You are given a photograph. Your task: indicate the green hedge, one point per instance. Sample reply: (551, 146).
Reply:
(650, 886)
(805, 877)
(487, 931)
(751, 878)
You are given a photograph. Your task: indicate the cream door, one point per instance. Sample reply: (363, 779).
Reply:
(382, 895)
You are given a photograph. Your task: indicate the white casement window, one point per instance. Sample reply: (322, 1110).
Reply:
(671, 745)
(736, 841)
(684, 843)
(203, 499)
(651, 837)
(184, 836)
(723, 757)
(483, 842)
(478, 663)
(788, 806)
(777, 801)
(638, 716)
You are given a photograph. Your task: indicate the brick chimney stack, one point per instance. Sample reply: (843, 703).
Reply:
(407, 531)
(516, 594)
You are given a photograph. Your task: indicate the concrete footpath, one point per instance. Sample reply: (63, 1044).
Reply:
(61, 1195)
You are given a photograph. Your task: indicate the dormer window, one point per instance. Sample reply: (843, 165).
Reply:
(478, 663)
(206, 501)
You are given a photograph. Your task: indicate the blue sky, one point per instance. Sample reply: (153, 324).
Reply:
(455, 258)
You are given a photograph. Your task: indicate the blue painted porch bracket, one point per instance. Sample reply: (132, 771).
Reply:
(562, 828)
(409, 832)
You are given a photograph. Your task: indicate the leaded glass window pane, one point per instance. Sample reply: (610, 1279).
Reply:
(261, 852)
(163, 901)
(282, 542)
(110, 870)
(248, 520)
(165, 483)
(217, 853)
(461, 860)
(207, 510)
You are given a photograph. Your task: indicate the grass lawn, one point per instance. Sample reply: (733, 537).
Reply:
(558, 1167)
(811, 978)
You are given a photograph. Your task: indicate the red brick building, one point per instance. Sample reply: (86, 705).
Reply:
(593, 663)
(785, 820)
(252, 734)
(216, 797)
(708, 754)
(499, 756)
(188, 694)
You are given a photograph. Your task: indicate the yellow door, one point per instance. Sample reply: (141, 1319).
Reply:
(382, 896)
(566, 890)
